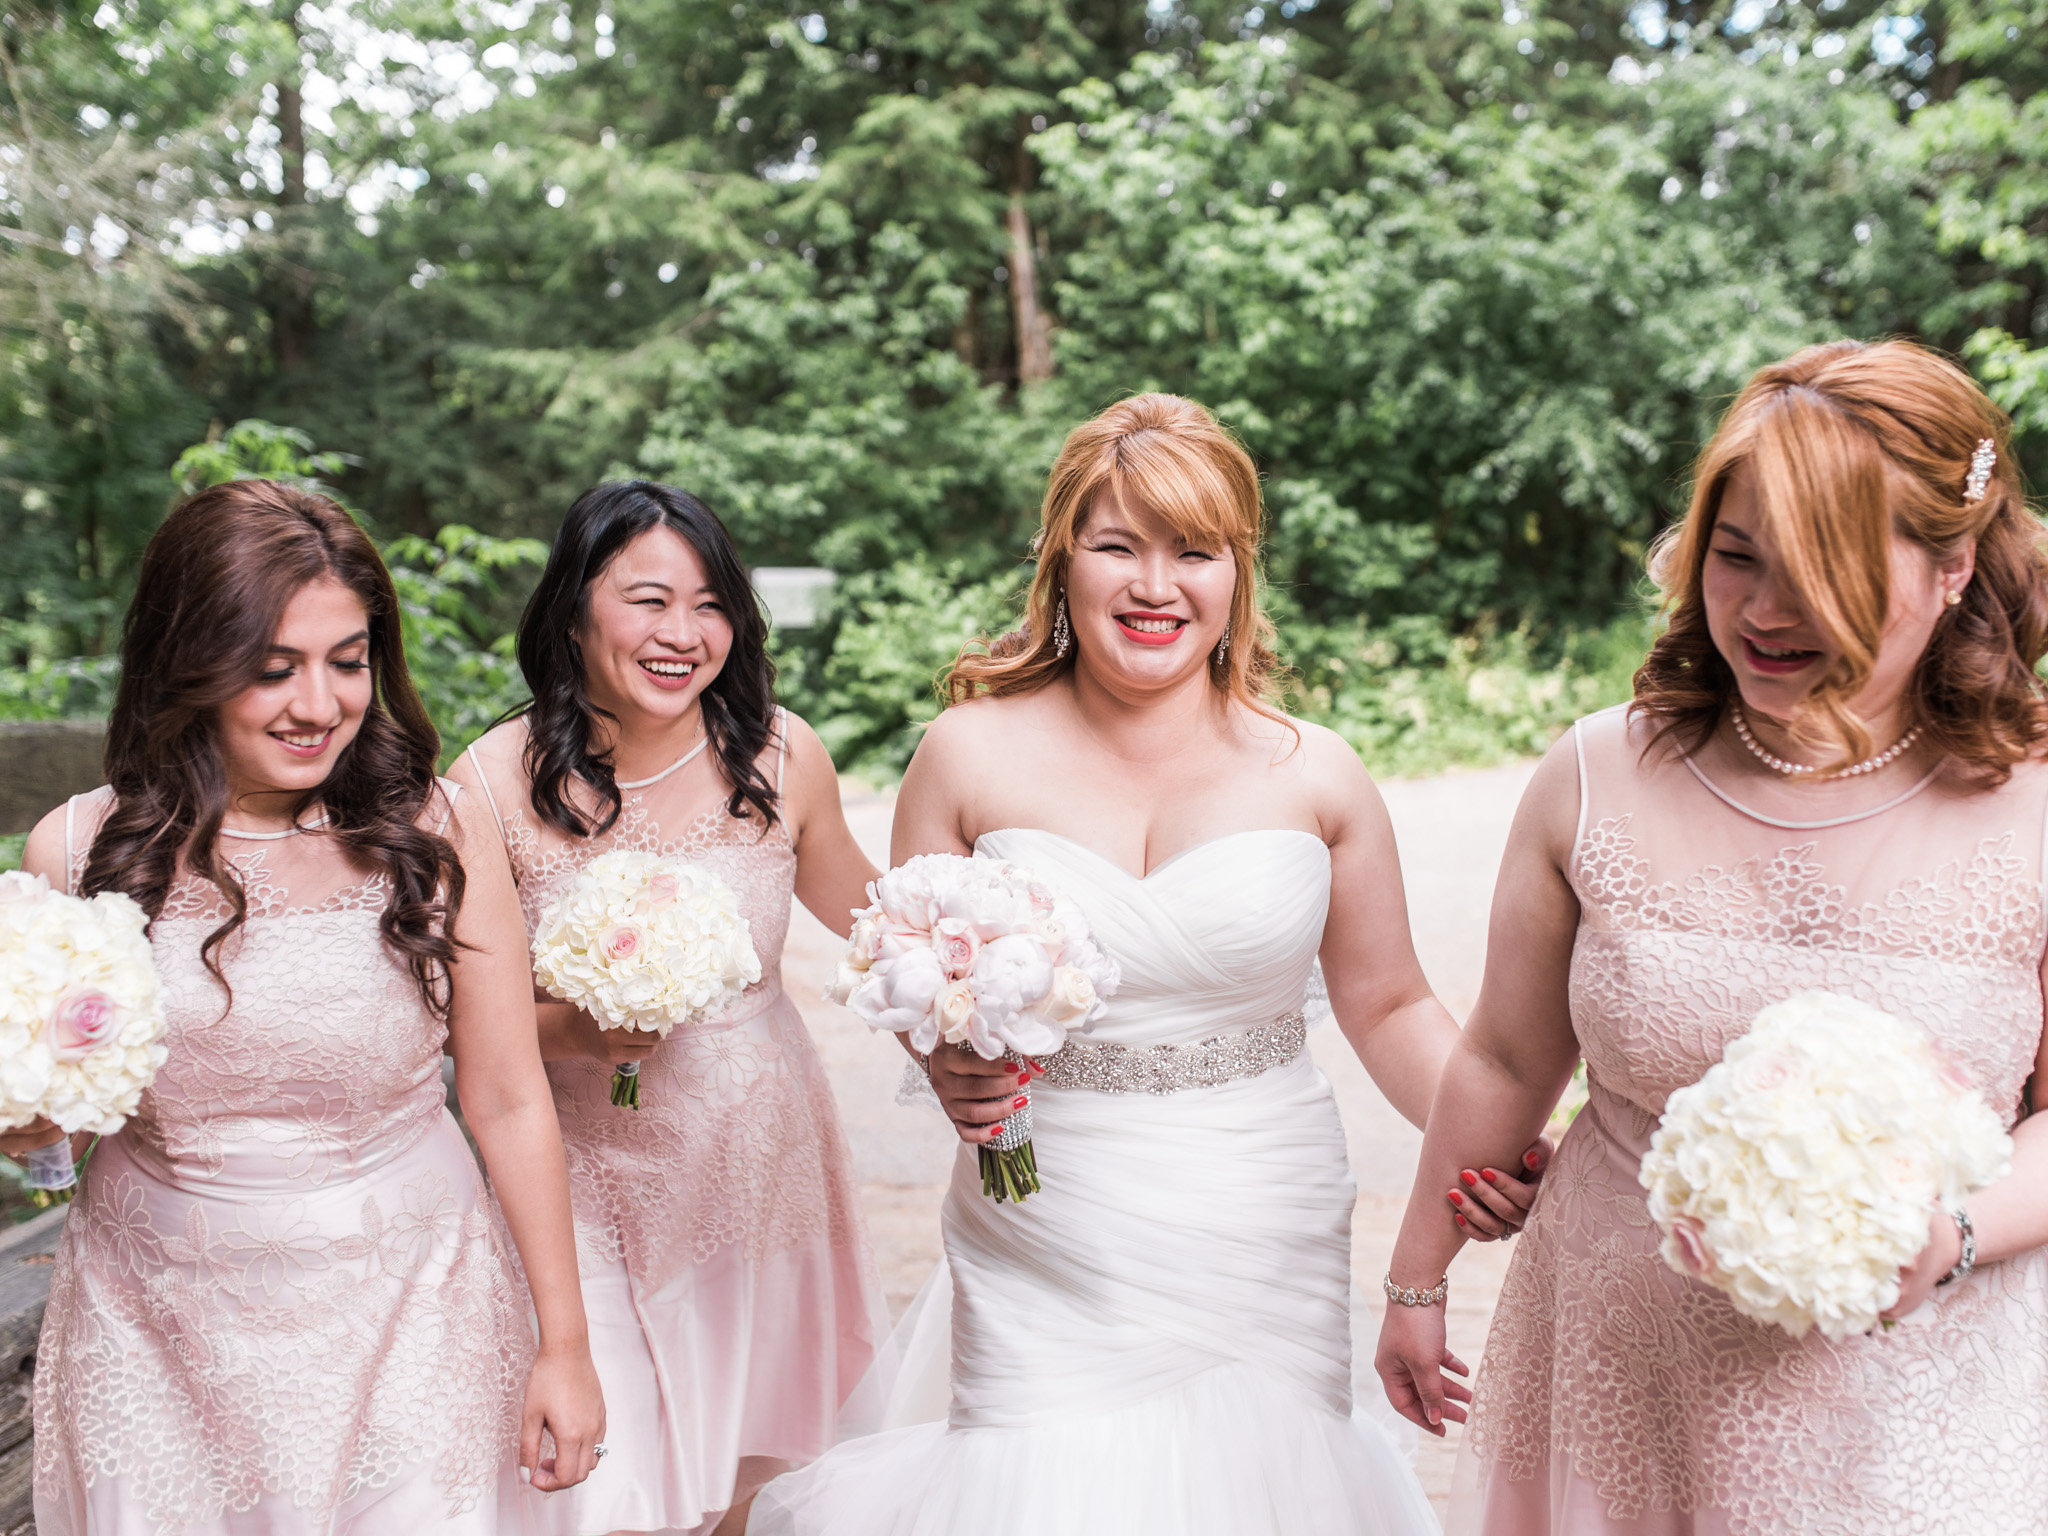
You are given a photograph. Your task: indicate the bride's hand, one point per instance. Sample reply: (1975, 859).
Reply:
(1412, 1359)
(1493, 1204)
(977, 1095)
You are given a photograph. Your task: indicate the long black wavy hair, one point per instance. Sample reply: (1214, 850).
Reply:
(738, 704)
(214, 584)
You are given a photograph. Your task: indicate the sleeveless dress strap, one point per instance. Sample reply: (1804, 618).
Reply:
(782, 755)
(484, 782)
(70, 817)
(450, 793)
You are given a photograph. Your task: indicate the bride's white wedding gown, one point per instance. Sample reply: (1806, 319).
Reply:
(1159, 1342)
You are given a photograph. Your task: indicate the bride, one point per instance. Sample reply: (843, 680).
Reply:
(1160, 1340)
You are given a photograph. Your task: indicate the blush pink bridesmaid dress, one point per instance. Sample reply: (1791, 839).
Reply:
(1619, 1399)
(282, 1303)
(733, 1300)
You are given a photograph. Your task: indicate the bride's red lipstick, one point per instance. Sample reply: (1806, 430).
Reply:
(1152, 636)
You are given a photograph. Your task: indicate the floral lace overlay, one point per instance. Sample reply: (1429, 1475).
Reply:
(284, 1278)
(1605, 1366)
(736, 1142)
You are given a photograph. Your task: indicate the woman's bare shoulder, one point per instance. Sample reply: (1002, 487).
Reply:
(500, 752)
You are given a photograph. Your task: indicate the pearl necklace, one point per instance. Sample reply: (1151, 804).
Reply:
(1796, 770)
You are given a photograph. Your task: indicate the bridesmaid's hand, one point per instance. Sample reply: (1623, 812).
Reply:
(977, 1095)
(1918, 1279)
(570, 1033)
(1412, 1360)
(562, 1394)
(24, 1139)
(1492, 1204)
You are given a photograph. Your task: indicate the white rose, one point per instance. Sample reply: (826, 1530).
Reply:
(1072, 998)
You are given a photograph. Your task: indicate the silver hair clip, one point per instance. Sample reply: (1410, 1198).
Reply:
(1980, 470)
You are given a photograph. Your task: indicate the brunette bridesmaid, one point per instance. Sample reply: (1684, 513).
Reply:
(283, 1302)
(732, 1298)
(1831, 779)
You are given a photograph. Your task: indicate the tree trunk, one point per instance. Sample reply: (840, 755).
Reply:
(1034, 329)
(291, 284)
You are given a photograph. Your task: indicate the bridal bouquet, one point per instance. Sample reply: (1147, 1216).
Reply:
(81, 1018)
(639, 941)
(977, 953)
(1798, 1174)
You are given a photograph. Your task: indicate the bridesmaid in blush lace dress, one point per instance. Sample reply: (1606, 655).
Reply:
(283, 1304)
(1831, 779)
(732, 1299)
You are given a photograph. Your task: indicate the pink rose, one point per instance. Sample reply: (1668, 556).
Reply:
(1691, 1246)
(621, 942)
(84, 1021)
(956, 944)
(1041, 900)
(661, 889)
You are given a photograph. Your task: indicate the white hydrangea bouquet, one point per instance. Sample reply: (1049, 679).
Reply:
(643, 941)
(81, 1016)
(979, 954)
(1798, 1174)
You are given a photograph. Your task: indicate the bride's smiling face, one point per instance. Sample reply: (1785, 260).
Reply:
(1147, 607)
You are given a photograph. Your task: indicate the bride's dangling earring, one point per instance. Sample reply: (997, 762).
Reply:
(1223, 648)
(1062, 634)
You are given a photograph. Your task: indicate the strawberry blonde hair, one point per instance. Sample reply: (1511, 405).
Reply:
(1171, 457)
(1847, 444)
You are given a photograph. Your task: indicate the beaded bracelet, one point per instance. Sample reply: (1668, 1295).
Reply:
(1406, 1297)
(1968, 1261)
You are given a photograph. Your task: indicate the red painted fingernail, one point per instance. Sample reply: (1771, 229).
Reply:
(996, 1129)
(1466, 1175)
(1487, 1174)
(1456, 1198)
(1019, 1103)
(1529, 1159)
(1461, 1221)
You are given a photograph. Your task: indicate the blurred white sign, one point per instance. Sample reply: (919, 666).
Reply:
(794, 594)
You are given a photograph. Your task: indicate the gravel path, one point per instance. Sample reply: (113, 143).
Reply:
(1451, 830)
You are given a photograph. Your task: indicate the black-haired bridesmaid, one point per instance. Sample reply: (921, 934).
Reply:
(731, 1295)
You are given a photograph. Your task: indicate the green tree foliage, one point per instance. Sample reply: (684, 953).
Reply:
(1471, 277)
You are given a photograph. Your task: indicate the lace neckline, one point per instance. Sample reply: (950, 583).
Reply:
(703, 741)
(1810, 826)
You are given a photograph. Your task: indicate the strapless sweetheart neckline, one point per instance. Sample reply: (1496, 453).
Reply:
(1164, 864)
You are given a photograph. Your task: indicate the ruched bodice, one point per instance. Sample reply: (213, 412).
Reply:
(1158, 1342)
(1218, 937)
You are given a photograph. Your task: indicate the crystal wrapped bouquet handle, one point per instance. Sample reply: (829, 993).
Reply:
(981, 954)
(646, 942)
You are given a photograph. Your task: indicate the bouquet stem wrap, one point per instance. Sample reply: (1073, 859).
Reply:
(50, 1167)
(626, 1085)
(1009, 1168)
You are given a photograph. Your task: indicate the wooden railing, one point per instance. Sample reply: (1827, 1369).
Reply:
(25, 1253)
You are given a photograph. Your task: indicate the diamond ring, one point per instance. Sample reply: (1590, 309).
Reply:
(601, 1451)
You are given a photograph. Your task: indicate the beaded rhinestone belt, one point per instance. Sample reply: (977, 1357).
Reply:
(1107, 1068)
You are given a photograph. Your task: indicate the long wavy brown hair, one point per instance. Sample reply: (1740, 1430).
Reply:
(1169, 455)
(214, 584)
(1847, 444)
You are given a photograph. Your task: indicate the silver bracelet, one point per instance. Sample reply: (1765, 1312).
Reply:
(1968, 1261)
(1402, 1295)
